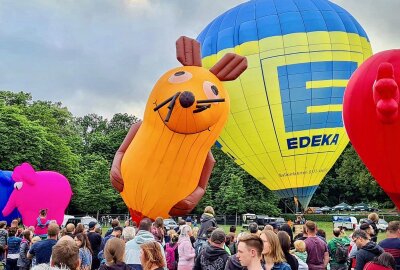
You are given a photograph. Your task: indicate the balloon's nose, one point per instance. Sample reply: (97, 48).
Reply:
(186, 99)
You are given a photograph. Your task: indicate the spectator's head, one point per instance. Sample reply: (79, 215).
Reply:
(92, 225)
(53, 230)
(114, 251)
(159, 222)
(98, 231)
(181, 222)
(249, 250)
(27, 234)
(299, 245)
(195, 232)
(151, 256)
(32, 229)
(174, 238)
(387, 260)
(321, 233)
(232, 229)
(336, 232)
(145, 224)
(186, 231)
(373, 217)
(286, 228)
(117, 231)
(366, 227)
(134, 224)
(36, 239)
(128, 233)
(271, 246)
(82, 241)
(209, 210)
(70, 228)
(12, 231)
(79, 228)
(188, 221)
(218, 238)
(284, 240)
(127, 223)
(14, 223)
(209, 232)
(393, 229)
(361, 238)
(65, 254)
(115, 223)
(43, 212)
(3, 224)
(311, 228)
(253, 227)
(268, 228)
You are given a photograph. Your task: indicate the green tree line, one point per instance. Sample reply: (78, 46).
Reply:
(49, 137)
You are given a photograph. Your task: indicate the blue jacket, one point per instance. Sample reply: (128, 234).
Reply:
(13, 245)
(281, 266)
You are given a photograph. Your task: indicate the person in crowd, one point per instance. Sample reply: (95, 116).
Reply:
(13, 244)
(132, 252)
(185, 249)
(230, 243)
(373, 219)
(392, 243)
(42, 223)
(321, 234)
(368, 228)
(42, 250)
(385, 261)
(207, 221)
(189, 221)
(35, 239)
(367, 250)
(128, 234)
(127, 223)
(80, 228)
(95, 243)
(85, 251)
(98, 231)
(284, 240)
(114, 223)
(3, 239)
(158, 230)
(65, 254)
(117, 232)
(208, 241)
(249, 252)
(233, 262)
(317, 249)
(196, 232)
(273, 255)
(253, 228)
(70, 230)
(151, 256)
(338, 248)
(300, 251)
(213, 256)
(286, 228)
(23, 262)
(268, 228)
(171, 252)
(114, 252)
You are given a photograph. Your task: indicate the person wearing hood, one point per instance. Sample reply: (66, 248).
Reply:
(185, 249)
(214, 256)
(367, 250)
(114, 255)
(207, 221)
(132, 249)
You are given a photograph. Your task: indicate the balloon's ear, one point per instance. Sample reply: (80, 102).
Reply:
(188, 51)
(229, 67)
(24, 173)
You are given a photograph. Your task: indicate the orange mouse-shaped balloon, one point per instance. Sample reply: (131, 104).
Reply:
(163, 166)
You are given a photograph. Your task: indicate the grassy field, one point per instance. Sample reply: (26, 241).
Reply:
(326, 226)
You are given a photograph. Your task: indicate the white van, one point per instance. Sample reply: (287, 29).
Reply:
(347, 222)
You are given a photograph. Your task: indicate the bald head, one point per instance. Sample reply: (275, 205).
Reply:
(336, 232)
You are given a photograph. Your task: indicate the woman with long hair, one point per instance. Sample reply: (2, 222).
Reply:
(85, 250)
(151, 256)
(185, 249)
(284, 240)
(158, 230)
(114, 253)
(272, 253)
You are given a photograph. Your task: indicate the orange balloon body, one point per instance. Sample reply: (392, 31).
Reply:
(164, 161)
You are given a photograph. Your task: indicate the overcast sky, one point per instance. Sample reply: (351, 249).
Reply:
(104, 56)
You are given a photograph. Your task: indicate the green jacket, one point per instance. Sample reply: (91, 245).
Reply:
(332, 246)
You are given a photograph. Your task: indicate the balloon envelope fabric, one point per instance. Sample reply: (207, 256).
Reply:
(6, 188)
(285, 126)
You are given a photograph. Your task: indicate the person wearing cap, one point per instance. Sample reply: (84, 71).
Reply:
(189, 221)
(214, 256)
(95, 242)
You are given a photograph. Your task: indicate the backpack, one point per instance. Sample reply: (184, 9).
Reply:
(341, 253)
(170, 256)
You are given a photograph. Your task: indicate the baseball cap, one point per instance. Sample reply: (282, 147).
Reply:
(218, 236)
(92, 224)
(188, 219)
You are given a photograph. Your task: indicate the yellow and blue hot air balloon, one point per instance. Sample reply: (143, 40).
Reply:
(285, 127)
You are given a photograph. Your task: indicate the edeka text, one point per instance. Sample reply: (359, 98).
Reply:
(313, 141)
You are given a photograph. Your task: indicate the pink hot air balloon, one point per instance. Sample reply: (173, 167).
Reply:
(34, 191)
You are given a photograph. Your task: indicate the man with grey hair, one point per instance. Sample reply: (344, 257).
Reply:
(214, 256)
(128, 233)
(367, 250)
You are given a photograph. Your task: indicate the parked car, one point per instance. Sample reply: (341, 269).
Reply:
(75, 220)
(342, 207)
(382, 224)
(170, 224)
(325, 209)
(346, 222)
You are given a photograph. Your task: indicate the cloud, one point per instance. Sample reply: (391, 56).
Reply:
(104, 56)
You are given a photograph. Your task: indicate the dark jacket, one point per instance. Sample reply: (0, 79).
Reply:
(367, 253)
(118, 266)
(233, 264)
(292, 261)
(207, 221)
(211, 258)
(374, 238)
(23, 261)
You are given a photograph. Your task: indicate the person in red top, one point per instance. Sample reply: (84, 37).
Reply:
(385, 261)
(42, 223)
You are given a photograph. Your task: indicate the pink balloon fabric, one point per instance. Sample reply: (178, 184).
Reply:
(34, 191)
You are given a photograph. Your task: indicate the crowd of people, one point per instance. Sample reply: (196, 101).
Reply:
(150, 246)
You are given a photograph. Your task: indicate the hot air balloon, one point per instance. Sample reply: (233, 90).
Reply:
(285, 126)
(371, 117)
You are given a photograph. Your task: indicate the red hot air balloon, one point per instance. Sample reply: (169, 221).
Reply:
(371, 118)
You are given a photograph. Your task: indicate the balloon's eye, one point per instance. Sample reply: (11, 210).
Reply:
(210, 89)
(18, 185)
(180, 77)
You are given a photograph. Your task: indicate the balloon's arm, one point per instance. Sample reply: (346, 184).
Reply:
(10, 206)
(186, 205)
(115, 173)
